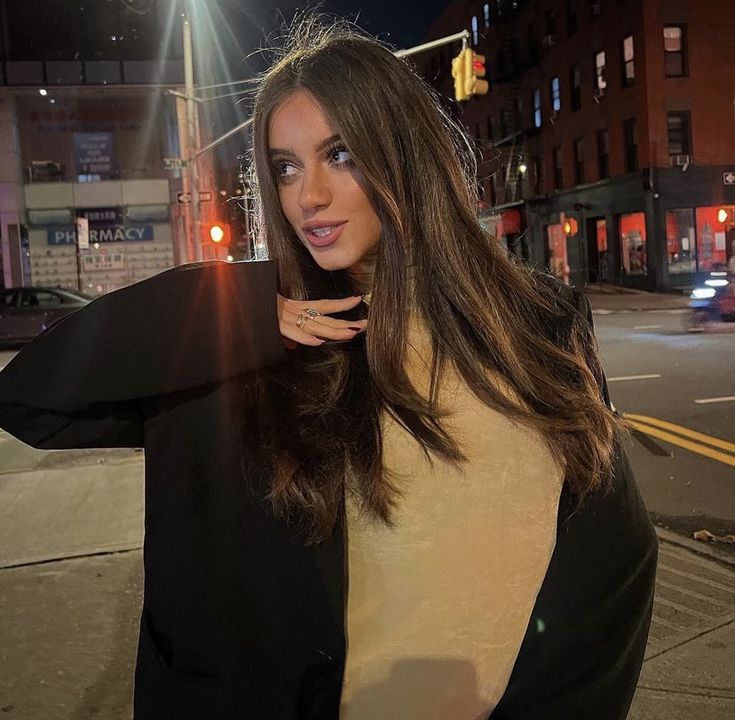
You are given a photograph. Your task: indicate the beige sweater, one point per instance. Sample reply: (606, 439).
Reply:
(438, 605)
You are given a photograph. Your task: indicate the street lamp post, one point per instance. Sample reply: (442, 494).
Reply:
(191, 142)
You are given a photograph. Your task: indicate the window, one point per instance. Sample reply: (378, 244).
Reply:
(680, 245)
(578, 149)
(603, 154)
(486, 14)
(679, 133)
(675, 60)
(713, 245)
(595, 8)
(600, 81)
(538, 175)
(630, 140)
(475, 31)
(537, 108)
(555, 94)
(571, 17)
(633, 243)
(533, 52)
(8, 298)
(575, 83)
(628, 60)
(556, 159)
(550, 22)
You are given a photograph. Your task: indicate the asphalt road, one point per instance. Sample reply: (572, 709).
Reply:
(679, 386)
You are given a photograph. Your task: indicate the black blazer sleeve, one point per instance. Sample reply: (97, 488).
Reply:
(79, 383)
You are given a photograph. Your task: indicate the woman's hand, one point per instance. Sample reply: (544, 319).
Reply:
(299, 326)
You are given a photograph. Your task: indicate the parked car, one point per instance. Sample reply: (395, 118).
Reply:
(25, 312)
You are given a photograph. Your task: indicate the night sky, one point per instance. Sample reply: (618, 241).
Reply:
(230, 34)
(400, 23)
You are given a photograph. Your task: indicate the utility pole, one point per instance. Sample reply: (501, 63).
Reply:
(192, 169)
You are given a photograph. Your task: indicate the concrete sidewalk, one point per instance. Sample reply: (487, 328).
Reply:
(69, 632)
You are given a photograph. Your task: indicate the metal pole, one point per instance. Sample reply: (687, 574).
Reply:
(464, 35)
(400, 53)
(191, 143)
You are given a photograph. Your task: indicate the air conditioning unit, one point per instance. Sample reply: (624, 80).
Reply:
(548, 41)
(598, 94)
(682, 161)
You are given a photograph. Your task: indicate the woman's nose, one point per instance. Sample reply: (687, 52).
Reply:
(315, 192)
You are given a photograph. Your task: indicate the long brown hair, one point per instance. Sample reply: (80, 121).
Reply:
(484, 314)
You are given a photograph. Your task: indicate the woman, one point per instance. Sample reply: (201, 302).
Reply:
(430, 519)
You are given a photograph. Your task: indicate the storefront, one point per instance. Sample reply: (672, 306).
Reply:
(125, 245)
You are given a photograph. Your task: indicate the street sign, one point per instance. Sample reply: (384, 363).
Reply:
(174, 163)
(728, 178)
(204, 196)
(83, 233)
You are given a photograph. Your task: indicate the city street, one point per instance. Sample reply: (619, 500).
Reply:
(71, 571)
(659, 375)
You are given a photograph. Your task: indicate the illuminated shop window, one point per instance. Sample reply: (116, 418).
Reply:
(714, 237)
(632, 230)
(681, 248)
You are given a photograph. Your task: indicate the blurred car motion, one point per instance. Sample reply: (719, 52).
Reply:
(25, 312)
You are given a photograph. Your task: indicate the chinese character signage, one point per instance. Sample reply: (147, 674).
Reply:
(93, 154)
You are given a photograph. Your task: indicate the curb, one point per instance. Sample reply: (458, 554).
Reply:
(614, 311)
(708, 549)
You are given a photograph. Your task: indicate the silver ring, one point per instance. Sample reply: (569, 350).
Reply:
(311, 312)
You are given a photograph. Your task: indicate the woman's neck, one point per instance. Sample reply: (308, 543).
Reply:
(363, 272)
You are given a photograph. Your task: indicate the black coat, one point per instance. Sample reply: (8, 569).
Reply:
(240, 618)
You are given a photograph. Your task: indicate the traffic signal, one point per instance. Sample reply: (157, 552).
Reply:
(467, 69)
(216, 233)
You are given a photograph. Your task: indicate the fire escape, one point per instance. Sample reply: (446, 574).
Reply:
(507, 164)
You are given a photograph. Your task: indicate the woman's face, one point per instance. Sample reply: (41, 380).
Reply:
(319, 186)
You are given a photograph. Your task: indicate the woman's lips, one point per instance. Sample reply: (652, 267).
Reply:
(325, 236)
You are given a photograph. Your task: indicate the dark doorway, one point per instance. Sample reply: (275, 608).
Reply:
(597, 254)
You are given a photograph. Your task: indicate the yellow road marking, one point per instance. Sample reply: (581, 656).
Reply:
(686, 444)
(693, 434)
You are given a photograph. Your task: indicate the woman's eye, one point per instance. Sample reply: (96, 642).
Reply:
(284, 169)
(340, 156)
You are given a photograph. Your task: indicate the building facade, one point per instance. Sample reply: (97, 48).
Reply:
(86, 121)
(607, 139)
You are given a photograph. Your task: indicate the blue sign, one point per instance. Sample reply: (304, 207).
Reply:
(66, 235)
(93, 153)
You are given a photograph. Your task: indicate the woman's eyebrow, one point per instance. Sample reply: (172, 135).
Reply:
(317, 148)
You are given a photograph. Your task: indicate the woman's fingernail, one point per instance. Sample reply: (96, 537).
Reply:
(357, 329)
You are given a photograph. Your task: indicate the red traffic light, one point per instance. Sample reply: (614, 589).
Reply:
(216, 233)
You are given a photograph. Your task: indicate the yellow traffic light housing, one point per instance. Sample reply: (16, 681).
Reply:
(467, 69)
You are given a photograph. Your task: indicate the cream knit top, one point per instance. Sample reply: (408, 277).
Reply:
(438, 605)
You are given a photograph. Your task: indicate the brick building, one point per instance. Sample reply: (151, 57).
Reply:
(608, 134)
